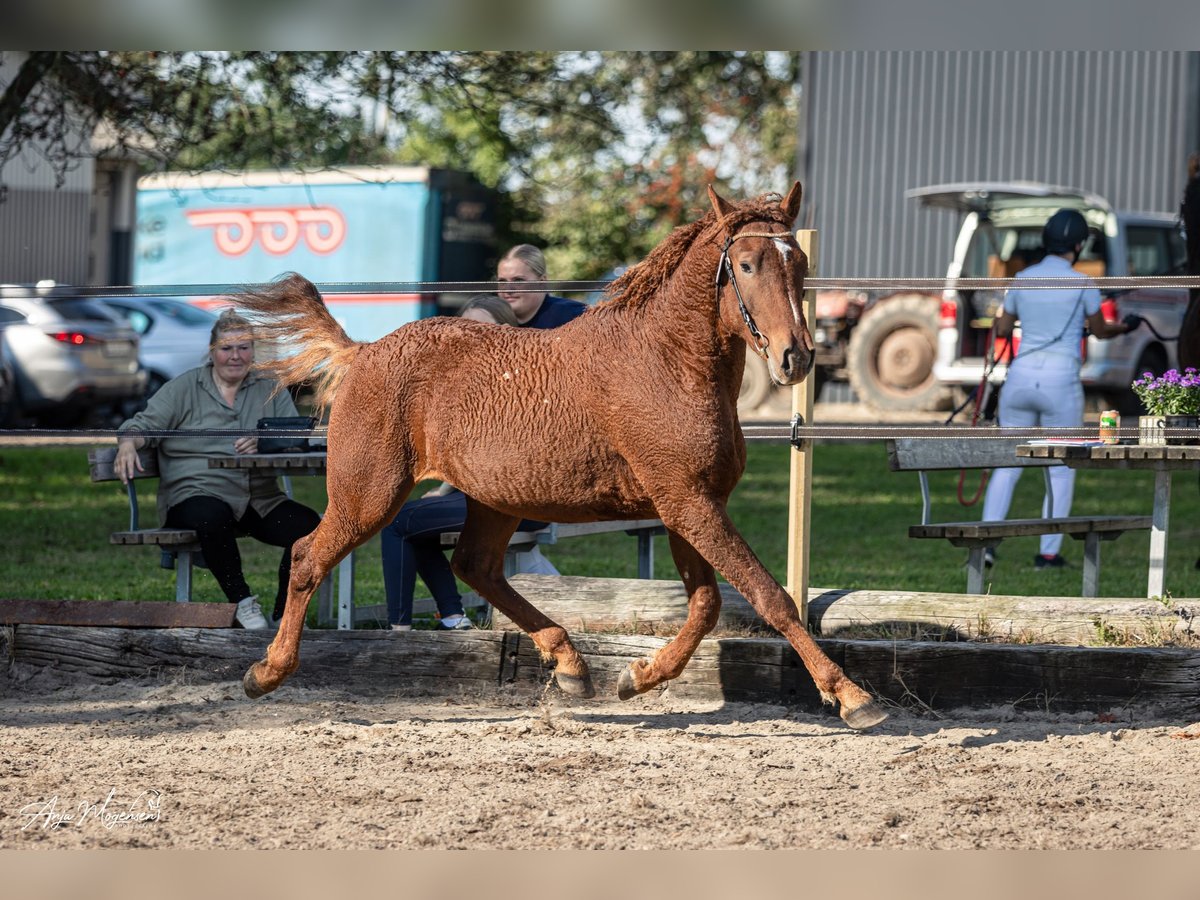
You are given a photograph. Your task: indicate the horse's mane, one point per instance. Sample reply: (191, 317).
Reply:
(647, 278)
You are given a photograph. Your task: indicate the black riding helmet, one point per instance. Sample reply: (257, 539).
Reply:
(1064, 231)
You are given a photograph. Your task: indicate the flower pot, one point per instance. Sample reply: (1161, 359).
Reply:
(1160, 430)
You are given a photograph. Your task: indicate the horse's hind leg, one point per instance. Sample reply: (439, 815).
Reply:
(479, 561)
(704, 606)
(351, 517)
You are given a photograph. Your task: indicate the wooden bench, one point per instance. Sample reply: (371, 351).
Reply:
(523, 541)
(178, 546)
(972, 453)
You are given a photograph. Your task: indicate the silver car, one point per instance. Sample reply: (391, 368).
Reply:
(8, 387)
(174, 334)
(71, 356)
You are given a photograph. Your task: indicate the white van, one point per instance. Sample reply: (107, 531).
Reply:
(1001, 234)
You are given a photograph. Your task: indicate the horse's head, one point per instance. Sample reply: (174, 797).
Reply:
(760, 283)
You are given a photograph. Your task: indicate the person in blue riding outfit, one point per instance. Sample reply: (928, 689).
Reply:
(411, 544)
(1042, 387)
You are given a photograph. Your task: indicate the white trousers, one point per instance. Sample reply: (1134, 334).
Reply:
(1040, 390)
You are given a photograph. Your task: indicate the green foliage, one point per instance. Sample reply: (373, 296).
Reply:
(691, 118)
(598, 154)
(56, 525)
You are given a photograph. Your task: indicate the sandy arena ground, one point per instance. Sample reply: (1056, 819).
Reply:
(172, 764)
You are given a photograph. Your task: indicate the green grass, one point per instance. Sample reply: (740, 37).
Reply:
(54, 526)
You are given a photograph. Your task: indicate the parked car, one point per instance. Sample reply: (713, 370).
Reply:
(173, 334)
(71, 355)
(8, 386)
(1001, 234)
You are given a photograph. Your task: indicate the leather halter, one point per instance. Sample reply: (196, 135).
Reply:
(760, 341)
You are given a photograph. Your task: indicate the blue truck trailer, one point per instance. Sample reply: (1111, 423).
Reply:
(369, 224)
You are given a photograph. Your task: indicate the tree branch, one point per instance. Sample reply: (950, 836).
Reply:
(30, 75)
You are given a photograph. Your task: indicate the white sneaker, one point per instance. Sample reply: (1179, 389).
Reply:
(401, 628)
(249, 614)
(456, 623)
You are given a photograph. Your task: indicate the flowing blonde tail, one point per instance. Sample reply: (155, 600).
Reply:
(302, 340)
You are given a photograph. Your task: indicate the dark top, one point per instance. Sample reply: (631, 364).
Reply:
(555, 311)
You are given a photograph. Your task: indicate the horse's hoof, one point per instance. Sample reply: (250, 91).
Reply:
(575, 685)
(626, 689)
(863, 717)
(250, 684)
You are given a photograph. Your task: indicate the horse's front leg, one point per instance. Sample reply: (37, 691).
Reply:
(479, 561)
(705, 524)
(704, 606)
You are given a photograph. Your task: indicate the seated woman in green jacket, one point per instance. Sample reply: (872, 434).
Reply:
(220, 504)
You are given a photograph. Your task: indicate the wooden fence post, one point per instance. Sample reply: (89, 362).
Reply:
(800, 500)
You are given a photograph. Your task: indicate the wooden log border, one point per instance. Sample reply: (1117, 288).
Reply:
(940, 676)
(624, 604)
(117, 613)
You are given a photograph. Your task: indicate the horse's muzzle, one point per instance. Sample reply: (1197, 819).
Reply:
(795, 362)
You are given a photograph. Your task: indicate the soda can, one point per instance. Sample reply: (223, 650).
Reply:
(1110, 421)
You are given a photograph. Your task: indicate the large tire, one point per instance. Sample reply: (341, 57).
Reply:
(891, 353)
(756, 384)
(819, 376)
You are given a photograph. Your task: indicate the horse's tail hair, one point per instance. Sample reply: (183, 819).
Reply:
(303, 342)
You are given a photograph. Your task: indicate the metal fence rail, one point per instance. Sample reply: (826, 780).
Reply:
(334, 288)
(781, 433)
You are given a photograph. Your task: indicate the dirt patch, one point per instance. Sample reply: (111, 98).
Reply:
(172, 764)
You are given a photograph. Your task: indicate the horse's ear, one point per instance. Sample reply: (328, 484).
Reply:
(791, 203)
(720, 206)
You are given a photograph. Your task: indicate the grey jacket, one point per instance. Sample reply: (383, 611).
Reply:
(191, 401)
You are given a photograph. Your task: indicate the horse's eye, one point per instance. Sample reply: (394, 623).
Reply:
(746, 268)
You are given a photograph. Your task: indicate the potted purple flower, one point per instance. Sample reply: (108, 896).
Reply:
(1172, 401)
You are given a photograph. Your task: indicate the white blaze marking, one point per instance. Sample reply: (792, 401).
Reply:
(785, 251)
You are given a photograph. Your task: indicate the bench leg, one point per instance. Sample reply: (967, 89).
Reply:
(325, 604)
(645, 541)
(345, 591)
(1091, 565)
(183, 576)
(1160, 515)
(975, 569)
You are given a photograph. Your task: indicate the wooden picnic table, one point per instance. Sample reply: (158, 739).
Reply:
(1163, 460)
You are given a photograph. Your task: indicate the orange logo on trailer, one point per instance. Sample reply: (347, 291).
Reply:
(277, 229)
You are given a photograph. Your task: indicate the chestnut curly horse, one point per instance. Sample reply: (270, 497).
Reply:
(627, 412)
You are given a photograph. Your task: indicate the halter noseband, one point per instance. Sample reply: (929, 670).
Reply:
(760, 342)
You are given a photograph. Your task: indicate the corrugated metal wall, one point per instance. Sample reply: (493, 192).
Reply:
(1119, 124)
(45, 230)
(44, 234)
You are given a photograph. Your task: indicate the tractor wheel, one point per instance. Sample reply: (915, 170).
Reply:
(891, 354)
